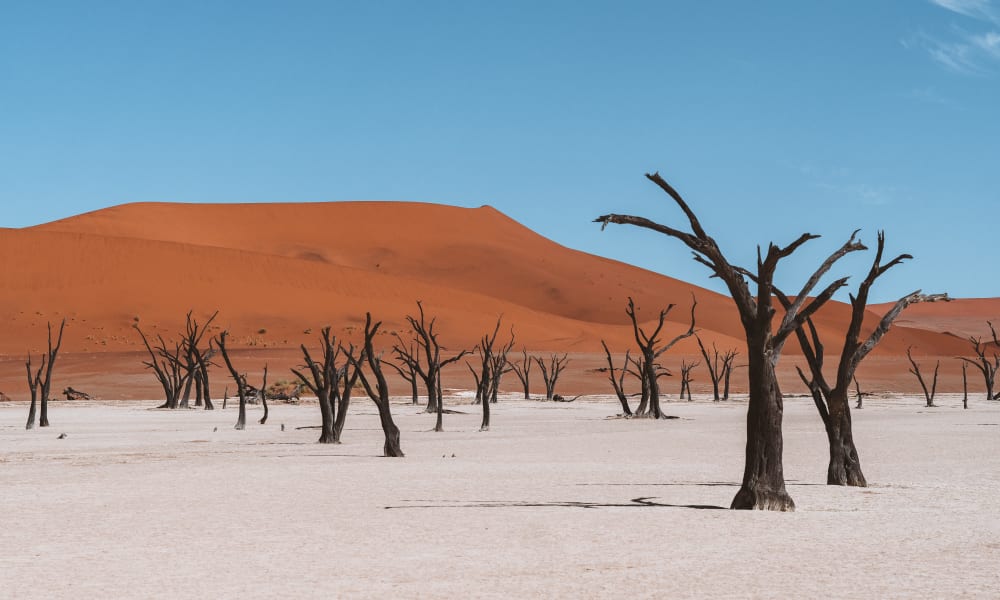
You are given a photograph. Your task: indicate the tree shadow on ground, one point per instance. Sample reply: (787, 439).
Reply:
(642, 502)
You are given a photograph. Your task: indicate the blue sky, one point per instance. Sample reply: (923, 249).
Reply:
(772, 118)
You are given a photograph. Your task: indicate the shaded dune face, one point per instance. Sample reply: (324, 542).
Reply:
(279, 272)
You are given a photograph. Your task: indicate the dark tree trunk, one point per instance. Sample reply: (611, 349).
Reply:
(845, 465)
(327, 435)
(439, 407)
(763, 485)
(965, 388)
(31, 413)
(414, 391)
(197, 389)
(186, 398)
(485, 425)
(263, 396)
(241, 419)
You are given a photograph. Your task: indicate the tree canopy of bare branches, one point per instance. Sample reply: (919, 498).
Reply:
(551, 372)
(719, 365)
(929, 393)
(493, 365)
(844, 467)
(426, 340)
(650, 349)
(986, 365)
(331, 382)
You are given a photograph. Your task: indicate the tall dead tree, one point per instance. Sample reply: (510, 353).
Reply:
(522, 370)
(719, 365)
(650, 350)
(483, 378)
(166, 366)
(618, 380)
(686, 368)
(34, 384)
(965, 387)
(763, 484)
(832, 401)
(987, 365)
(322, 383)
(378, 390)
(194, 364)
(46, 382)
(241, 381)
(551, 372)
(915, 369)
(493, 366)
(429, 369)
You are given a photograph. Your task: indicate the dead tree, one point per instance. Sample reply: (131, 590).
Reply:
(34, 383)
(719, 366)
(728, 366)
(523, 372)
(203, 360)
(650, 349)
(409, 374)
(965, 387)
(499, 366)
(241, 382)
(859, 394)
(45, 384)
(915, 369)
(485, 351)
(378, 390)
(322, 383)
(987, 365)
(195, 366)
(618, 381)
(263, 396)
(550, 373)
(686, 378)
(166, 365)
(493, 366)
(478, 382)
(763, 484)
(832, 401)
(429, 369)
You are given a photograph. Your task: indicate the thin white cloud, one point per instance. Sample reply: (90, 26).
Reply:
(988, 42)
(982, 10)
(962, 51)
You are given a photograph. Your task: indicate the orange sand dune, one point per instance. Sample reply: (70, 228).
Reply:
(966, 317)
(278, 271)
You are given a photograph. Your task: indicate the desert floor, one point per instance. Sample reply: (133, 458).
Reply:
(136, 502)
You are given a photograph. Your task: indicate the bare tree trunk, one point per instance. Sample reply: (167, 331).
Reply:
(845, 465)
(485, 425)
(34, 382)
(263, 396)
(379, 392)
(46, 384)
(965, 388)
(439, 423)
(763, 476)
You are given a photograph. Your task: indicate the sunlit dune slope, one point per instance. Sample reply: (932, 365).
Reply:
(276, 271)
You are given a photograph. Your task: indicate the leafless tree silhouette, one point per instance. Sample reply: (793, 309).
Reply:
(763, 484)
